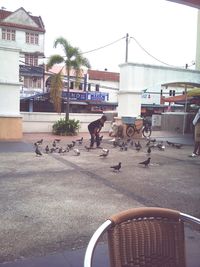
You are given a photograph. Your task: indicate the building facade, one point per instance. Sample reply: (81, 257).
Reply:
(20, 30)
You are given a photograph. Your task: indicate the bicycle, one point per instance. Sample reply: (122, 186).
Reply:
(145, 128)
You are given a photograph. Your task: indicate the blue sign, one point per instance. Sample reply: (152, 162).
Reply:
(97, 96)
(91, 96)
(75, 95)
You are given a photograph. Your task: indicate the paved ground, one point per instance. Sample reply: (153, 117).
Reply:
(53, 203)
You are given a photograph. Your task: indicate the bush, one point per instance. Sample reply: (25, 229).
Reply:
(66, 127)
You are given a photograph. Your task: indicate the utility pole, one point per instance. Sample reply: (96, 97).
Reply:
(185, 110)
(126, 59)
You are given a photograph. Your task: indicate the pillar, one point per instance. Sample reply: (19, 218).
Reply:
(197, 64)
(10, 119)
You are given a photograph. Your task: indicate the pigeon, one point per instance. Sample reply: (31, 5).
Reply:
(105, 153)
(161, 146)
(148, 143)
(39, 142)
(53, 149)
(178, 146)
(77, 151)
(125, 147)
(70, 146)
(138, 146)
(146, 162)
(100, 138)
(131, 142)
(149, 150)
(35, 144)
(116, 167)
(80, 141)
(122, 146)
(47, 149)
(61, 150)
(73, 143)
(57, 140)
(54, 143)
(38, 152)
(169, 143)
(115, 143)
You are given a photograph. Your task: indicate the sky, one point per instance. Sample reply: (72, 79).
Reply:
(157, 29)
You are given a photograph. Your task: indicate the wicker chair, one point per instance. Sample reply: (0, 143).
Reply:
(143, 237)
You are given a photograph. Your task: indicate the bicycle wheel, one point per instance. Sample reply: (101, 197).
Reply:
(130, 130)
(146, 131)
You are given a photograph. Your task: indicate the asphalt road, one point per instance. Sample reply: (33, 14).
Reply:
(55, 202)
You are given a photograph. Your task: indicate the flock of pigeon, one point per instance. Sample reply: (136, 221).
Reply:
(122, 144)
(56, 148)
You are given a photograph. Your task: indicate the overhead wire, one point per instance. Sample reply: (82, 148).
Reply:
(151, 54)
(137, 42)
(104, 46)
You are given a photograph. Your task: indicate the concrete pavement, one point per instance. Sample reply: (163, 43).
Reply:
(51, 205)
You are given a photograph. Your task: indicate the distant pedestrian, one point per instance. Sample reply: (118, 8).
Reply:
(94, 129)
(196, 123)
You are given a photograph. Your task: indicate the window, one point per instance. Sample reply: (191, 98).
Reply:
(80, 87)
(32, 38)
(172, 92)
(8, 34)
(71, 86)
(97, 87)
(31, 60)
(32, 82)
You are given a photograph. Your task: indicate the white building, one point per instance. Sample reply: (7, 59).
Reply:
(21, 42)
(20, 30)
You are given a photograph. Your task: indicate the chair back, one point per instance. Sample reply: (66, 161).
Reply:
(146, 237)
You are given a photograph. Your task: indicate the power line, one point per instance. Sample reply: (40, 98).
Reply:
(151, 54)
(101, 47)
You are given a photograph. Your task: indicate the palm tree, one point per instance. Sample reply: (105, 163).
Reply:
(72, 59)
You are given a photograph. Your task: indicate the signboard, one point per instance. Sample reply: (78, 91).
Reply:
(91, 96)
(97, 96)
(75, 95)
(33, 71)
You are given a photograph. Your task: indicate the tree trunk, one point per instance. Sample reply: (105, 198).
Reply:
(68, 84)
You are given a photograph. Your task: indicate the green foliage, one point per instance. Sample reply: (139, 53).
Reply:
(56, 90)
(66, 127)
(72, 59)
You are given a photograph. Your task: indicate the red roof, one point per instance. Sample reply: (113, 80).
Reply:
(103, 75)
(38, 20)
(175, 98)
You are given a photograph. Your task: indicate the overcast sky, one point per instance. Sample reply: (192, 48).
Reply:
(166, 30)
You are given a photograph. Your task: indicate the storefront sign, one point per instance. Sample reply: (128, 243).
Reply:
(97, 96)
(91, 96)
(75, 95)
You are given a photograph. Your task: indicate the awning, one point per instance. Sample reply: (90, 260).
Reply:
(194, 92)
(182, 99)
(175, 98)
(77, 103)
